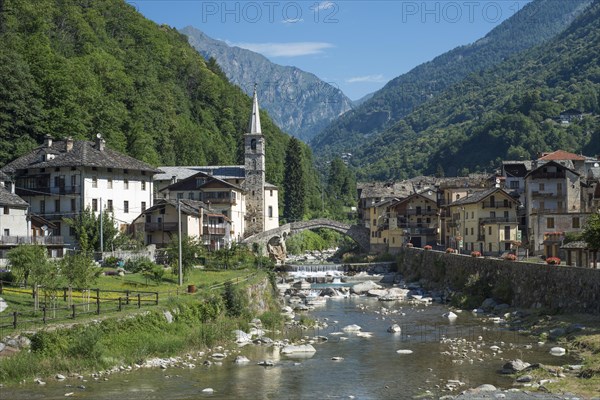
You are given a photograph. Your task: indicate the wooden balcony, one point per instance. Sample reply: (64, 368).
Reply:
(209, 230)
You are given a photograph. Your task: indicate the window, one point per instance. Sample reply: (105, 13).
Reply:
(94, 205)
(126, 207)
(514, 184)
(143, 206)
(57, 205)
(73, 180)
(576, 222)
(559, 187)
(6, 210)
(472, 232)
(271, 193)
(253, 144)
(7, 232)
(457, 196)
(506, 205)
(126, 184)
(472, 214)
(559, 204)
(109, 183)
(490, 247)
(550, 223)
(191, 195)
(109, 205)
(42, 206)
(94, 181)
(73, 205)
(72, 231)
(179, 196)
(143, 185)
(374, 222)
(489, 231)
(506, 215)
(270, 211)
(541, 187)
(148, 239)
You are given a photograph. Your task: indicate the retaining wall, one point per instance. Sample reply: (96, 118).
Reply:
(560, 288)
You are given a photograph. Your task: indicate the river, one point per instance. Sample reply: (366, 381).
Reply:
(371, 368)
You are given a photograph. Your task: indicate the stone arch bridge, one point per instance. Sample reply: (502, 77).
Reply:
(273, 241)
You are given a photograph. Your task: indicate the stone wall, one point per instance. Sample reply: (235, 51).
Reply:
(526, 285)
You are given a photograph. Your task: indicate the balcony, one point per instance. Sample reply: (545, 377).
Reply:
(160, 226)
(46, 191)
(497, 220)
(548, 175)
(557, 210)
(497, 204)
(57, 215)
(42, 240)
(210, 230)
(543, 195)
(421, 212)
(422, 231)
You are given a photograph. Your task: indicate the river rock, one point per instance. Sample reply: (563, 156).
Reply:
(241, 360)
(450, 315)
(525, 379)
(394, 294)
(556, 333)
(208, 390)
(558, 351)
(242, 337)
(488, 304)
(501, 307)
(364, 287)
(304, 348)
(575, 328)
(377, 292)
(486, 388)
(404, 351)
(337, 358)
(266, 363)
(351, 328)
(514, 366)
(60, 377)
(394, 328)
(2, 346)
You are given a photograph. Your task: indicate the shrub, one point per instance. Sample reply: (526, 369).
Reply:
(450, 250)
(475, 254)
(553, 261)
(427, 247)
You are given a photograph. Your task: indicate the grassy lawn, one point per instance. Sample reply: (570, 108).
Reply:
(22, 301)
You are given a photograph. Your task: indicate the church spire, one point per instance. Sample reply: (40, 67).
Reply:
(254, 128)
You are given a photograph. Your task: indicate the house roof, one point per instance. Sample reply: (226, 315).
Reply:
(425, 195)
(580, 244)
(561, 155)
(480, 195)
(10, 199)
(188, 207)
(517, 169)
(556, 163)
(83, 154)
(223, 172)
(190, 183)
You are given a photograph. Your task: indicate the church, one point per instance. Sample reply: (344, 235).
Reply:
(238, 192)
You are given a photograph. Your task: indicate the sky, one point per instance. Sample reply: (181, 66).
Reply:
(355, 45)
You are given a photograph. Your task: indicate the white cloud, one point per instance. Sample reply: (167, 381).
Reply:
(291, 49)
(325, 5)
(367, 78)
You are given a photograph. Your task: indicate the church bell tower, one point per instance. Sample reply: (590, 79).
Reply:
(254, 162)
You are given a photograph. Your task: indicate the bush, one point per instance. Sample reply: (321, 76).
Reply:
(475, 254)
(553, 261)
(427, 247)
(234, 299)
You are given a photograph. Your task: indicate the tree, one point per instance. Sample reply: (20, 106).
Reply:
(591, 234)
(87, 230)
(294, 184)
(28, 262)
(79, 270)
(191, 249)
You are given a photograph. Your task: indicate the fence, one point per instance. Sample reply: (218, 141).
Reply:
(103, 301)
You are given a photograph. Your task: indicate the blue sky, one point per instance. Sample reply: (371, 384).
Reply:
(356, 45)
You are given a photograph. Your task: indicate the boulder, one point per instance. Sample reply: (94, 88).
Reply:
(208, 390)
(377, 292)
(241, 360)
(558, 351)
(351, 328)
(404, 351)
(514, 366)
(394, 328)
(242, 337)
(525, 379)
(304, 348)
(450, 315)
(266, 363)
(168, 316)
(394, 294)
(556, 333)
(364, 287)
(488, 304)
(486, 388)
(2, 346)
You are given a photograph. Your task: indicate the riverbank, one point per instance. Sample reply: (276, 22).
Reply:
(181, 326)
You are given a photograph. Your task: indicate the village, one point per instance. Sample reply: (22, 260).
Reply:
(526, 209)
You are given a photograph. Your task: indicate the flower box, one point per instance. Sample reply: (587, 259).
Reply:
(427, 247)
(450, 250)
(553, 261)
(510, 257)
(475, 254)
(409, 245)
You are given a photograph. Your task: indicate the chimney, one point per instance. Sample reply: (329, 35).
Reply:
(173, 179)
(100, 143)
(48, 141)
(69, 142)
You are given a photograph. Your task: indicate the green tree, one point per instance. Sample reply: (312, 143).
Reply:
(28, 262)
(294, 184)
(87, 231)
(591, 232)
(79, 270)
(191, 249)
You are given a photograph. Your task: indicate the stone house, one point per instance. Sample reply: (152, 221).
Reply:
(159, 224)
(414, 220)
(60, 179)
(484, 221)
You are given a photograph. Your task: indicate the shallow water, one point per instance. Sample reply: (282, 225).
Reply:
(371, 368)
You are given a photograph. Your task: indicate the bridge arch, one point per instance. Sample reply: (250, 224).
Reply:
(358, 233)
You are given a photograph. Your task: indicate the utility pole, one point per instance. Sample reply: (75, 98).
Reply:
(101, 231)
(179, 227)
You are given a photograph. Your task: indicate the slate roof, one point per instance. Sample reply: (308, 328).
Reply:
(479, 195)
(188, 207)
(517, 169)
(222, 172)
(564, 164)
(190, 183)
(10, 199)
(83, 154)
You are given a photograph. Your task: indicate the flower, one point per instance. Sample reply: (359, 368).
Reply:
(409, 244)
(427, 247)
(475, 254)
(450, 250)
(510, 257)
(553, 261)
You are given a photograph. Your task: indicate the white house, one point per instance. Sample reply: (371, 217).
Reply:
(60, 179)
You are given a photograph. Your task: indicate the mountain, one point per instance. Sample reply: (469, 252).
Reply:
(544, 99)
(535, 23)
(299, 102)
(81, 67)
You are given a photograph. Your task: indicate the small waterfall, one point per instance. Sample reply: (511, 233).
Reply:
(315, 273)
